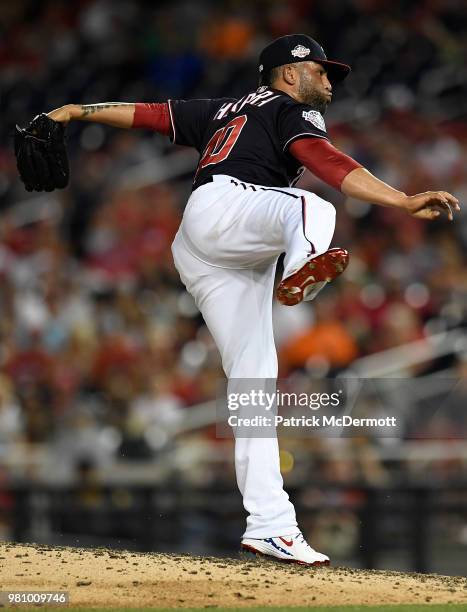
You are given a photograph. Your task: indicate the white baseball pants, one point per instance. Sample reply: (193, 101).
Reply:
(226, 251)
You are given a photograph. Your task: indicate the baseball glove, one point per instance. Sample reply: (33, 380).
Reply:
(41, 154)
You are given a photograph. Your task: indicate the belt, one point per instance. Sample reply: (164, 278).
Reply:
(205, 181)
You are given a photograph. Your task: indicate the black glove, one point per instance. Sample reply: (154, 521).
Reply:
(41, 154)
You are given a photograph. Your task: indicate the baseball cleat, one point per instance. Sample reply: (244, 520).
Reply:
(291, 549)
(306, 281)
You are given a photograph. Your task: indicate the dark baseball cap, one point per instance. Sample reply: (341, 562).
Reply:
(300, 48)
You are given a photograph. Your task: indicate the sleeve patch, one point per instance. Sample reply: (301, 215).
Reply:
(316, 118)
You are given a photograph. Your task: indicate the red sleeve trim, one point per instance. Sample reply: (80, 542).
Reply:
(300, 136)
(152, 116)
(323, 159)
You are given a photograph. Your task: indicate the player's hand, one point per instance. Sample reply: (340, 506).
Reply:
(62, 114)
(430, 204)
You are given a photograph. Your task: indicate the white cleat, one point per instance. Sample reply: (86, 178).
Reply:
(292, 549)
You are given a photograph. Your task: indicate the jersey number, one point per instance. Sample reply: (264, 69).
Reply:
(222, 142)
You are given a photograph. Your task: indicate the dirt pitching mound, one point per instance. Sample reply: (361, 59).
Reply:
(109, 578)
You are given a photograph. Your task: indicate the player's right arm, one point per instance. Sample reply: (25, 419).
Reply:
(344, 173)
(303, 133)
(361, 184)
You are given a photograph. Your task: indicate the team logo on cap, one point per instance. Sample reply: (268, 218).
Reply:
(261, 67)
(300, 51)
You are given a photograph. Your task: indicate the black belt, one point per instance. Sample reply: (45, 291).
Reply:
(205, 181)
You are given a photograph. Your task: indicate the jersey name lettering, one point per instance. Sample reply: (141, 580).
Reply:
(247, 137)
(255, 98)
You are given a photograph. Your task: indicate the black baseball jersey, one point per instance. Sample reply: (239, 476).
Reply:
(246, 138)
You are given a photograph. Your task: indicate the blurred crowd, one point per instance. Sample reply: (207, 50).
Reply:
(100, 345)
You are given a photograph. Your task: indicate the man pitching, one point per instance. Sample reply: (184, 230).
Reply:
(242, 214)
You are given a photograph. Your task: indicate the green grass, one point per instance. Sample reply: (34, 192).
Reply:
(360, 608)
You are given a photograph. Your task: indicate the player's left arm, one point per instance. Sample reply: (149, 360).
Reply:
(344, 173)
(185, 121)
(152, 115)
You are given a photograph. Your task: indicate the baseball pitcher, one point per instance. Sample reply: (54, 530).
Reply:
(243, 212)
